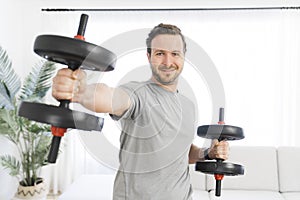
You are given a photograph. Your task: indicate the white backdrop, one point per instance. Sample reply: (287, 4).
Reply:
(256, 53)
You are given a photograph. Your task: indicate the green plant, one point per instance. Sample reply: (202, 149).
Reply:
(32, 139)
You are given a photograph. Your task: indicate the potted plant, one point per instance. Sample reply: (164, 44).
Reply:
(32, 139)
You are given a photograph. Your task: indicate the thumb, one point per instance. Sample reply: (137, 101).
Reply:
(78, 74)
(212, 150)
(214, 143)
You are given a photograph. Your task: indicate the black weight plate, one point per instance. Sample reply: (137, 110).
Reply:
(60, 116)
(74, 53)
(221, 132)
(228, 169)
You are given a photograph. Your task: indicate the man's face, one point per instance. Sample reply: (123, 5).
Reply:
(167, 58)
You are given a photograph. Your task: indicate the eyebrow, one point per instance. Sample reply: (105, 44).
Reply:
(173, 51)
(177, 51)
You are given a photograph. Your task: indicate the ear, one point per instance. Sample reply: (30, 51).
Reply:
(148, 56)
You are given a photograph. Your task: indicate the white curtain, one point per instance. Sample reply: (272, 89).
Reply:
(256, 53)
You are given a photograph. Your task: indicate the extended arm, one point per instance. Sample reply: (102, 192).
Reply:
(68, 84)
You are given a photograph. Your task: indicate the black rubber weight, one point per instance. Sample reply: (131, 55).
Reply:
(221, 132)
(228, 169)
(74, 52)
(60, 116)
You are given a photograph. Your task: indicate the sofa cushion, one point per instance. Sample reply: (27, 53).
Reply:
(289, 164)
(291, 195)
(246, 195)
(260, 169)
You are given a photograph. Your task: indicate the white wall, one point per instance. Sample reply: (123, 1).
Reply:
(21, 20)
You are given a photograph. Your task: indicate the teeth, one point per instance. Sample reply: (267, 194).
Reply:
(172, 69)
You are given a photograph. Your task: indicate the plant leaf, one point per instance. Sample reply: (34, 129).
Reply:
(38, 82)
(5, 101)
(10, 82)
(27, 135)
(41, 149)
(11, 163)
(8, 125)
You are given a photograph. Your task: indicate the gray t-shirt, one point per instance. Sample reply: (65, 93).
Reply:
(157, 132)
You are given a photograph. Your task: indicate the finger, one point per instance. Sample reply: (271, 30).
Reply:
(214, 142)
(62, 88)
(58, 81)
(80, 83)
(224, 145)
(79, 74)
(223, 157)
(223, 150)
(62, 95)
(65, 72)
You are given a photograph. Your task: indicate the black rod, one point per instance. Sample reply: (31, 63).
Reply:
(163, 9)
(221, 115)
(82, 25)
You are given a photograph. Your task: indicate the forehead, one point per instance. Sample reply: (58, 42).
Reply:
(167, 42)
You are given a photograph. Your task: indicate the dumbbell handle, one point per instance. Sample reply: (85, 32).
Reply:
(219, 177)
(56, 131)
(221, 116)
(54, 149)
(82, 25)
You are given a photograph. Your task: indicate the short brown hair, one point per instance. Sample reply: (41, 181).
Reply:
(164, 29)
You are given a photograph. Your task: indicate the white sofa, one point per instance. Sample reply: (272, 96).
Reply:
(270, 174)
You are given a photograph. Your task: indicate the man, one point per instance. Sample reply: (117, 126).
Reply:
(158, 123)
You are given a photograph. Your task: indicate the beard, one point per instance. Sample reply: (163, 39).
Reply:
(165, 79)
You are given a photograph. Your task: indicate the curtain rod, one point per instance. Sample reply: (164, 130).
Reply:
(162, 9)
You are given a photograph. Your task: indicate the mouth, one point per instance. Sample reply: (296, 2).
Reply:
(167, 70)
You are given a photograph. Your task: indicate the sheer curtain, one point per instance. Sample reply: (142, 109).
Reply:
(255, 52)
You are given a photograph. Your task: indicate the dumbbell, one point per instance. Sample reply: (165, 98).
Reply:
(219, 168)
(73, 52)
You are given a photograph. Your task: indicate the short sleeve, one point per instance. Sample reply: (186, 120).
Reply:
(131, 90)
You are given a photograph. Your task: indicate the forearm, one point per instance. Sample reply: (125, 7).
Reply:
(103, 99)
(196, 154)
(95, 97)
(72, 85)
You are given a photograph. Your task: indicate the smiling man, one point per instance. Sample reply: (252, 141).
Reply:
(166, 58)
(158, 123)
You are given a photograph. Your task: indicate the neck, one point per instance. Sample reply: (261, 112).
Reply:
(169, 87)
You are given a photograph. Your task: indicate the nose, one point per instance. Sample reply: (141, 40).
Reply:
(167, 61)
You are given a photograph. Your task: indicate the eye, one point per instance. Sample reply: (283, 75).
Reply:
(176, 54)
(159, 53)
